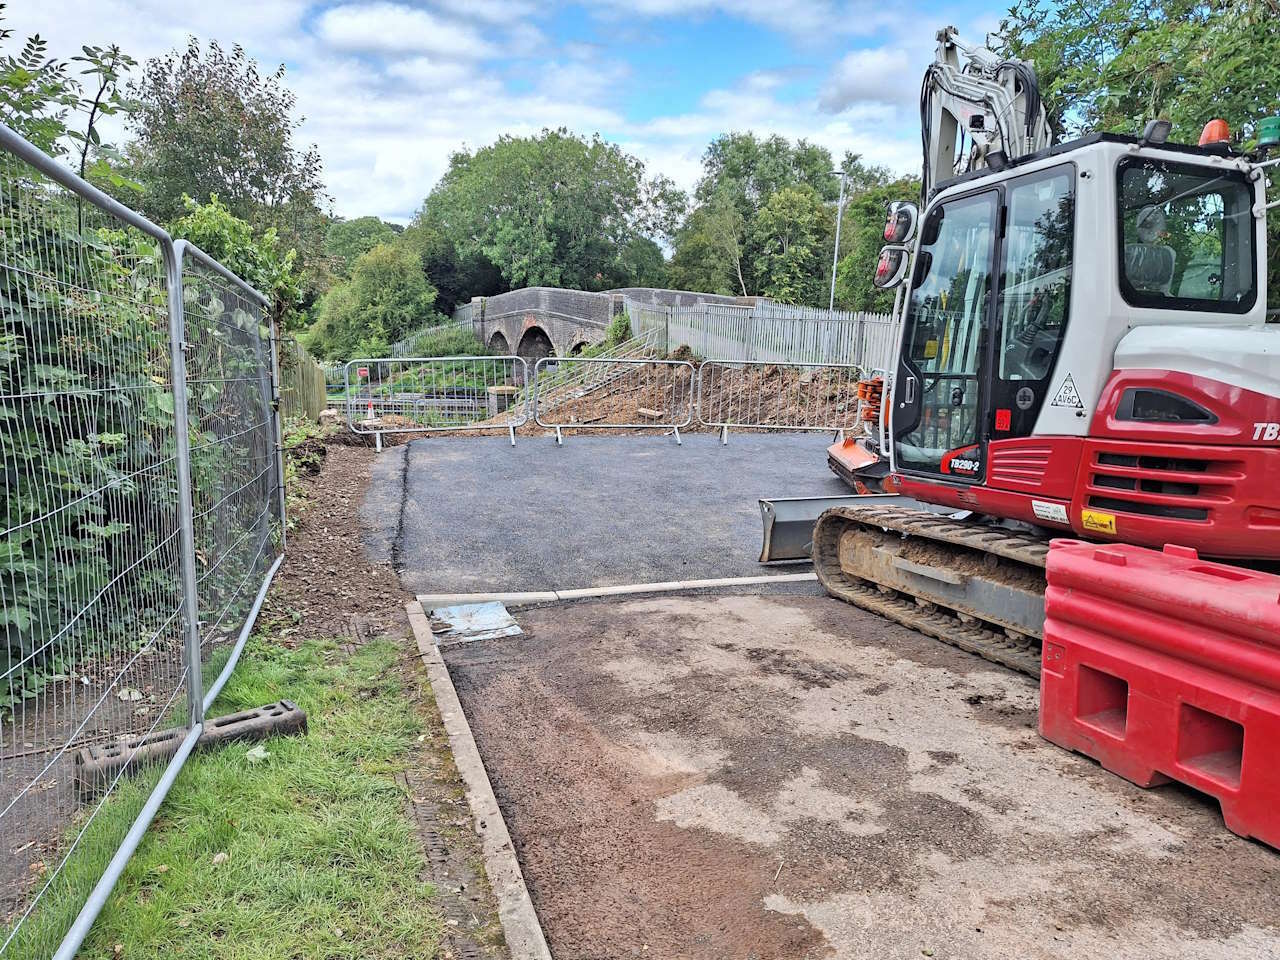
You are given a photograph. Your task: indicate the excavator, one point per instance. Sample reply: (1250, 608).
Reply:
(1083, 351)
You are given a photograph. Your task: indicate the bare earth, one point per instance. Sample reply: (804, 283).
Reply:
(789, 777)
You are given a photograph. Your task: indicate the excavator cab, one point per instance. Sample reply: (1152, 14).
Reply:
(1056, 310)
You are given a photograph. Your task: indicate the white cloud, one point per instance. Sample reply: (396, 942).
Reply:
(390, 90)
(873, 75)
(813, 20)
(393, 28)
(501, 12)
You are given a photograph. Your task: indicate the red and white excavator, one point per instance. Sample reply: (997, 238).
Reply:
(1084, 350)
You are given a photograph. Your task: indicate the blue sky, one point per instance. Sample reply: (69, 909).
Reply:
(389, 88)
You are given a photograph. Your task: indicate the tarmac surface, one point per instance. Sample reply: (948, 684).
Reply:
(474, 514)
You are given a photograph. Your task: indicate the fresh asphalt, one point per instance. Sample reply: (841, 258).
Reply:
(477, 515)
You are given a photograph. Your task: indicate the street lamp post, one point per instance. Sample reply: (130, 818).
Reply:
(835, 254)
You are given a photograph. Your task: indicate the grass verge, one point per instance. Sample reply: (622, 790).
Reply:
(304, 853)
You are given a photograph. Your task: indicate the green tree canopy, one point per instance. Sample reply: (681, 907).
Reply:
(345, 240)
(790, 235)
(861, 238)
(1111, 65)
(386, 298)
(722, 247)
(457, 276)
(256, 259)
(208, 121)
(1114, 64)
(554, 210)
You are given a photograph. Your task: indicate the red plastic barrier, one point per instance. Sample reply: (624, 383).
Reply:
(1163, 666)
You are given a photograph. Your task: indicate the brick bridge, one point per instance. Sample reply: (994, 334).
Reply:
(537, 322)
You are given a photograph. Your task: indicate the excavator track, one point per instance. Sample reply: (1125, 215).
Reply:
(978, 588)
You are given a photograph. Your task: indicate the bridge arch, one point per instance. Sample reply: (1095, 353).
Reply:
(578, 347)
(498, 343)
(534, 345)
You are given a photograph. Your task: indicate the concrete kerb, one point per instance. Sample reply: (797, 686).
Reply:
(528, 598)
(520, 925)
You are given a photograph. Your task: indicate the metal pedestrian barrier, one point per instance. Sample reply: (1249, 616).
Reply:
(436, 394)
(778, 396)
(603, 392)
(144, 521)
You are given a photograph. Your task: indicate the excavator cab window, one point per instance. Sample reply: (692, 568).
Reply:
(1186, 237)
(1035, 284)
(937, 430)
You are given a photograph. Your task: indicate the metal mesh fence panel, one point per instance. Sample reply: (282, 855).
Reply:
(610, 392)
(235, 495)
(90, 587)
(781, 396)
(430, 394)
(143, 521)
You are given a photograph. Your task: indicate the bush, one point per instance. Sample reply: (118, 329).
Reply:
(387, 297)
(257, 260)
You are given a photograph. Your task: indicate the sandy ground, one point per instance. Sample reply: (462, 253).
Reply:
(770, 777)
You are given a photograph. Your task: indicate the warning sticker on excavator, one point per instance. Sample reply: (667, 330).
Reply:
(1068, 396)
(1098, 522)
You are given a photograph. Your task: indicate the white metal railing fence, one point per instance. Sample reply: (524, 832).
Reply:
(631, 394)
(144, 520)
(769, 332)
(436, 394)
(418, 343)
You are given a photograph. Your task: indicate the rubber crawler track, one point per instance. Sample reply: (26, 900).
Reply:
(1022, 655)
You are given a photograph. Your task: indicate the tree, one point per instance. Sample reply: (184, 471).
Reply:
(554, 210)
(256, 260)
(862, 236)
(699, 262)
(456, 276)
(1114, 64)
(209, 122)
(345, 240)
(741, 173)
(790, 234)
(386, 298)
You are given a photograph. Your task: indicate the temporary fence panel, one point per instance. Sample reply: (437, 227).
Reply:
(796, 396)
(236, 482)
(572, 381)
(436, 394)
(303, 382)
(106, 445)
(600, 392)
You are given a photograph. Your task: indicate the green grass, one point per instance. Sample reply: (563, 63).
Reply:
(321, 859)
